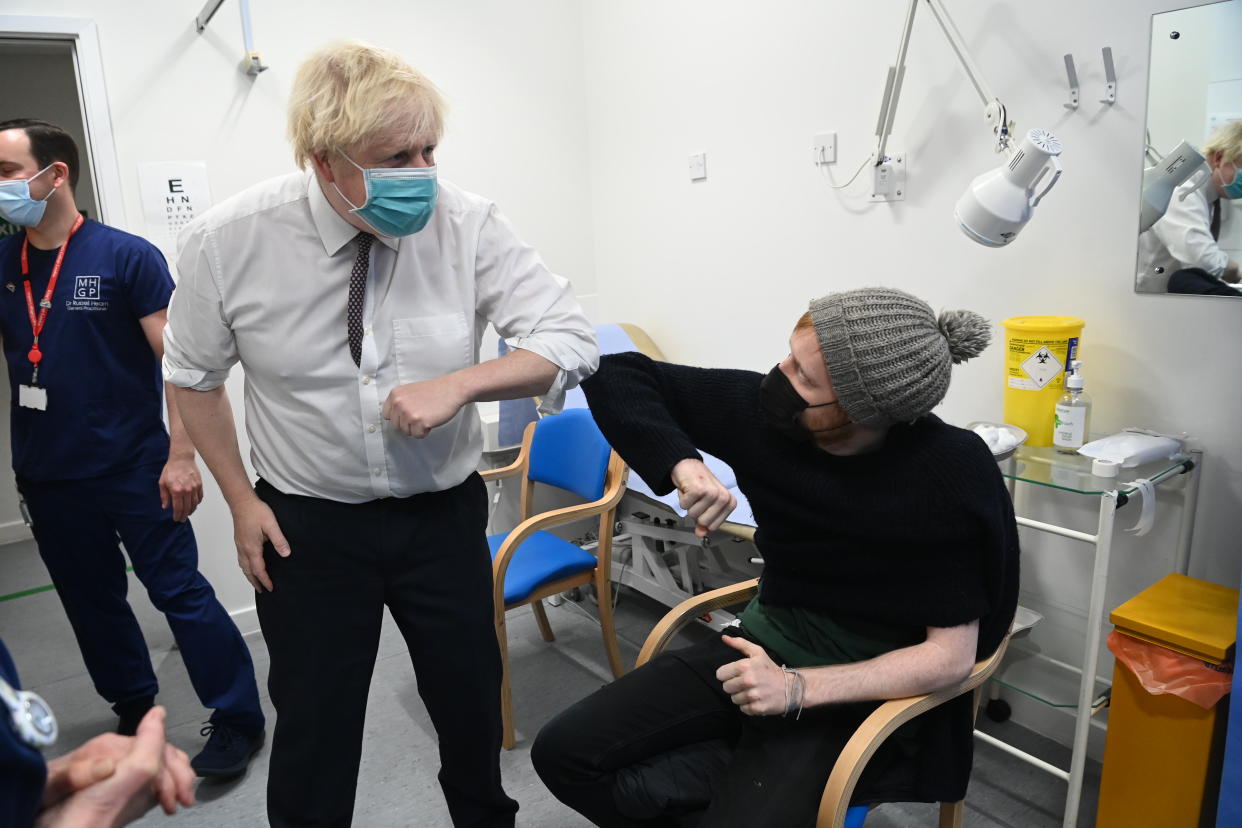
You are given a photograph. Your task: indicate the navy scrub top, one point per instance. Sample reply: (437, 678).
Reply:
(105, 391)
(23, 773)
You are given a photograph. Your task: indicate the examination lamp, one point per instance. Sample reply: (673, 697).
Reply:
(999, 203)
(1164, 177)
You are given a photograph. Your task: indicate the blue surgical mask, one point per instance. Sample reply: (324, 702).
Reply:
(17, 206)
(400, 200)
(1234, 188)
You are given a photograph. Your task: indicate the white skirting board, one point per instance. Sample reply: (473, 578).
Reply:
(14, 531)
(246, 619)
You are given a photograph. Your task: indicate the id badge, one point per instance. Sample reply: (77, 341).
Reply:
(32, 396)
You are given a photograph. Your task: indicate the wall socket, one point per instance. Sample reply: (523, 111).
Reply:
(824, 148)
(889, 178)
(698, 166)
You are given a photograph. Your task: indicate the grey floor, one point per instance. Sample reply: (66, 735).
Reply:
(397, 782)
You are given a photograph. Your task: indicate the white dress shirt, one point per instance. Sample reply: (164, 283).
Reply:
(1182, 238)
(264, 280)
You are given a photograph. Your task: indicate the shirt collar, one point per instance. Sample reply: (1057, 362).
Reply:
(334, 231)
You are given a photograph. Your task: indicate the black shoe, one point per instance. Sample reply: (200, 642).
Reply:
(131, 713)
(228, 750)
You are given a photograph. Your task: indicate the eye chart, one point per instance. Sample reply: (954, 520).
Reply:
(173, 194)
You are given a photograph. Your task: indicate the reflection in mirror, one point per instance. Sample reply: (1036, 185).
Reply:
(1190, 226)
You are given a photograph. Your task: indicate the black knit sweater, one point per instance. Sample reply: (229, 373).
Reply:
(918, 532)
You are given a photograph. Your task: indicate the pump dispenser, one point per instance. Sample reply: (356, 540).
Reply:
(1073, 414)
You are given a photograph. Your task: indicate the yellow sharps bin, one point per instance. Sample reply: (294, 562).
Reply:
(1038, 351)
(1162, 756)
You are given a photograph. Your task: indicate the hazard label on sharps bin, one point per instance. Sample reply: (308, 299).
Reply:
(1042, 367)
(1036, 364)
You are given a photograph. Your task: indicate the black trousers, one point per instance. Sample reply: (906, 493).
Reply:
(426, 558)
(1198, 281)
(664, 746)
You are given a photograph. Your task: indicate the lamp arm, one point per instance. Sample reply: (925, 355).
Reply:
(892, 87)
(959, 48)
(994, 111)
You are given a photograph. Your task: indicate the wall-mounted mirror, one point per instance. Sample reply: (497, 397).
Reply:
(1194, 95)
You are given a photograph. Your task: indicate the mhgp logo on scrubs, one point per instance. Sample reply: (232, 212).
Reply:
(87, 295)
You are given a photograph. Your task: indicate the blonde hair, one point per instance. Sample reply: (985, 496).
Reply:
(1227, 141)
(349, 91)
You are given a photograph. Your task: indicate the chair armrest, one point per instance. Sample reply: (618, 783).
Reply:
(510, 470)
(690, 609)
(738, 530)
(879, 726)
(518, 465)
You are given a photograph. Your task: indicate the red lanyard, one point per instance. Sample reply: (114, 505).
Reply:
(36, 325)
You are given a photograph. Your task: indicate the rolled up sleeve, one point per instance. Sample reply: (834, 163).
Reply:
(533, 308)
(199, 346)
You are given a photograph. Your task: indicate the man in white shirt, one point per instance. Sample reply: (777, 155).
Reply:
(355, 297)
(1181, 253)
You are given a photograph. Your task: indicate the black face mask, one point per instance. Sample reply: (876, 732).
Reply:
(781, 405)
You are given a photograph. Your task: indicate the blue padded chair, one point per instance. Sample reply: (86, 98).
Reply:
(567, 451)
(835, 810)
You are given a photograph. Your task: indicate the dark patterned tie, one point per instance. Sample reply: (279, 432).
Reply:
(357, 295)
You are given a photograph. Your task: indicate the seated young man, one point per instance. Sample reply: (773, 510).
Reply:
(891, 567)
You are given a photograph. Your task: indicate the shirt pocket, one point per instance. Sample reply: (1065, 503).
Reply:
(428, 347)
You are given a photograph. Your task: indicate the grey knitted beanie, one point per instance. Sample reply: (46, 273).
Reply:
(888, 354)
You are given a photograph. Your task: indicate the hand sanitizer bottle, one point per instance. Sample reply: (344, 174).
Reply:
(1073, 414)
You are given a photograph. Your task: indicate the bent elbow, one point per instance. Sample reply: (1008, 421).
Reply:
(962, 668)
(951, 669)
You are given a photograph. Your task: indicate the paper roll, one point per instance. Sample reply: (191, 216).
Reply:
(1105, 468)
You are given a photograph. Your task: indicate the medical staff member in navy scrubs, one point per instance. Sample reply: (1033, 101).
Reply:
(82, 313)
(110, 780)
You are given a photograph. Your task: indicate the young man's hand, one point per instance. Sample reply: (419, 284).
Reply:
(702, 496)
(755, 684)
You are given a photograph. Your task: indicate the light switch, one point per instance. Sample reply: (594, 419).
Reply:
(698, 166)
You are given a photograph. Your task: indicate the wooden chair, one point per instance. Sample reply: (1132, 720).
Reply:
(529, 564)
(834, 806)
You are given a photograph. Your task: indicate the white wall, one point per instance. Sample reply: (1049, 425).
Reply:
(717, 271)
(516, 132)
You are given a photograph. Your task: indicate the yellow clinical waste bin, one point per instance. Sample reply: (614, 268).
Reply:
(1038, 350)
(1162, 756)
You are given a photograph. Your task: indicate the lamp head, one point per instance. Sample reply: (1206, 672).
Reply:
(1161, 180)
(999, 203)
